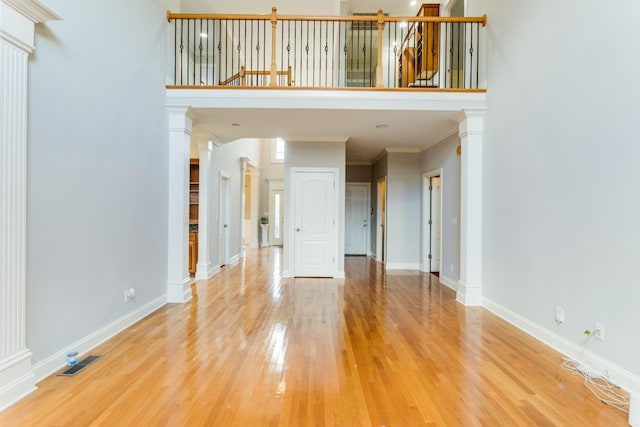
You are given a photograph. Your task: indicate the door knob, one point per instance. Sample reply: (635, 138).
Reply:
(225, 226)
(297, 229)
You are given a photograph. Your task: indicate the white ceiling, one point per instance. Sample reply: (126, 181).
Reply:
(410, 131)
(391, 7)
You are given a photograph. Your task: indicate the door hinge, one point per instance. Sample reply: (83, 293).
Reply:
(430, 256)
(430, 222)
(430, 187)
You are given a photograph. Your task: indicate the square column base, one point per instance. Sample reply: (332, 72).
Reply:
(470, 296)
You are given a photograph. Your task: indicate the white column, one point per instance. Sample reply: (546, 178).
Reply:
(17, 25)
(243, 183)
(178, 280)
(204, 268)
(255, 207)
(471, 129)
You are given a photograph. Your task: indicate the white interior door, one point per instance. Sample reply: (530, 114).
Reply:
(224, 219)
(356, 219)
(314, 224)
(435, 224)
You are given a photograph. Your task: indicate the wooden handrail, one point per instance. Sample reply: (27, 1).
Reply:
(244, 72)
(360, 18)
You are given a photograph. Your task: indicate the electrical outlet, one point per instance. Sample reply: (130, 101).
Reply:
(598, 331)
(129, 294)
(559, 315)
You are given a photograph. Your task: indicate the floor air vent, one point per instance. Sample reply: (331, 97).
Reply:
(79, 367)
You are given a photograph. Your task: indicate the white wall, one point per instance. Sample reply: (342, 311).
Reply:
(378, 172)
(97, 173)
(560, 178)
(227, 158)
(404, 187)
(289, 7)
(314, 154)
(443, 156)
(268, 171)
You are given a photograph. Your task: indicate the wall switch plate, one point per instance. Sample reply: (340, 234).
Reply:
(559, 315)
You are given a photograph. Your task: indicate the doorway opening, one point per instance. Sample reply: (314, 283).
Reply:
(356, 229)
(223, 215)
(432, 222)
(274, 232)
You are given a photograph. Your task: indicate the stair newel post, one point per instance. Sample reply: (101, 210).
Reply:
(274, 24)
(379, 66)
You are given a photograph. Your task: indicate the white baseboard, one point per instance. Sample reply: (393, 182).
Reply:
(402, 266)
(16, 378)
(620, 376)
(234, 259)
(179, 292)
(58, 360)
(339, 275)
(449, 283)
(206, 274)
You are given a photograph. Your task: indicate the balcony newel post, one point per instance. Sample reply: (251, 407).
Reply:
(274, 24)
(379, 66)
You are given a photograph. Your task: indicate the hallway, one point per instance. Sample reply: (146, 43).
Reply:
(252, 349)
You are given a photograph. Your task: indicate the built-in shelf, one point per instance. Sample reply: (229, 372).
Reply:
(194, 201)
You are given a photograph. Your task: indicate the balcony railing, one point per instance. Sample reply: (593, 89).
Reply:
(375, 51)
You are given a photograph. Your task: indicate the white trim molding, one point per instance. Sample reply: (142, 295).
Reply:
(178, 280)
(449, 283)
(620, 376)
(17, 36)
(402, 266)
(471, 137)
(58, 360)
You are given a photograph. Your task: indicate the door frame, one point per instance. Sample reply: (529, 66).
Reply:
(381, 232)
(426, 215)
(368, 202)
(223, 215)
(289, 237)
(276, 185)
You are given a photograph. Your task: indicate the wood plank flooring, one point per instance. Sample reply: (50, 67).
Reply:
(376, 349)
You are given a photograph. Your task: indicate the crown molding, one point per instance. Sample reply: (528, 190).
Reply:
(33, 10)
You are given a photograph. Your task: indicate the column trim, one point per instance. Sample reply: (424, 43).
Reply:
(180, 120)
(17, 35)
(471, 132)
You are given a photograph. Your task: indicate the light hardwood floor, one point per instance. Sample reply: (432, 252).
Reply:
(375, 349)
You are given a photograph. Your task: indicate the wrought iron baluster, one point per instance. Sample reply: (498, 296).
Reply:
(187, 60)
(220, 74)
(471, 59)
(477, 55)
(313, 56)
(195, 24)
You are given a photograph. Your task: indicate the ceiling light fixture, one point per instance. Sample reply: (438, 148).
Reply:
(413, 3)
(235, 124)
(381, 126)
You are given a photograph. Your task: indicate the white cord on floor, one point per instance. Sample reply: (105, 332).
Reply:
(600, 385)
